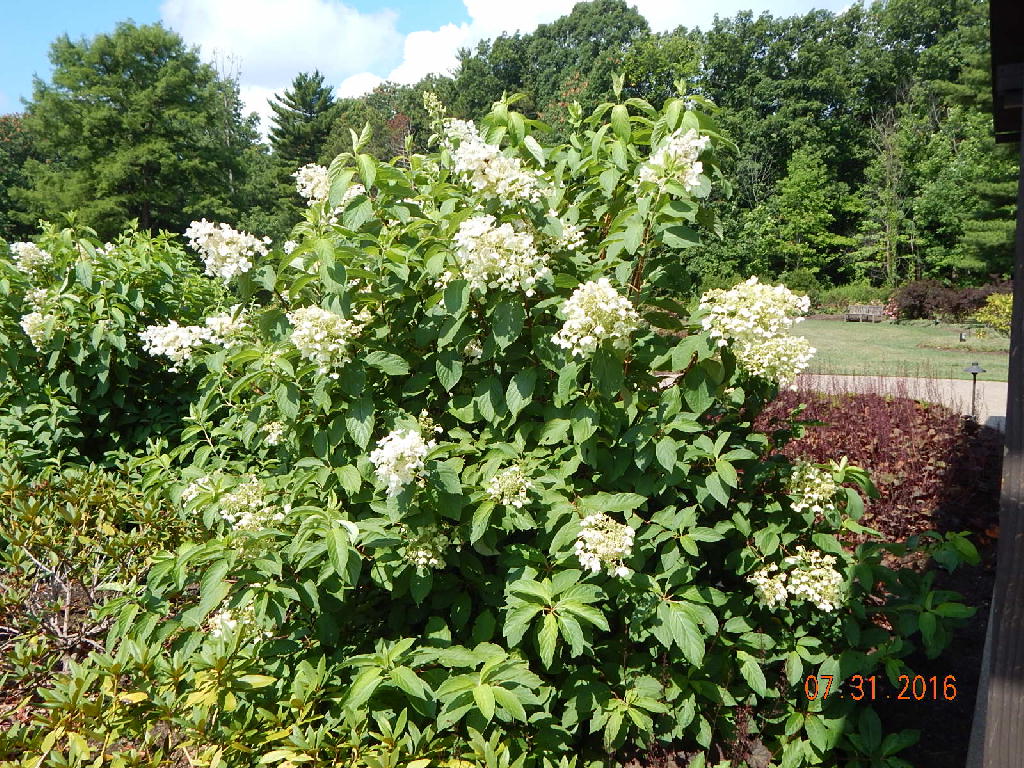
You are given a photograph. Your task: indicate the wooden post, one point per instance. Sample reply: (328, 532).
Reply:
(1004, 716)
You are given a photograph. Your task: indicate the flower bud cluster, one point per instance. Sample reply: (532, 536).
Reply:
(510, 487)
(39, 328)
(755, 318)
(485, 168)
(810, 576)
(29, 257)
(812, 488)
(398, 458)
(225, 251)
(499, 257)
(675, 159)
(322, 337)
(229, 621)
(312, 184)
(227, 325)
(594, 313)
(246, 509)
(275, 432)
(603, 541)
(426, 550)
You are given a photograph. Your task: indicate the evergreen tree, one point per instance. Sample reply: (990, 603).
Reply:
(133, 126)
(303, 115)
(15, 150)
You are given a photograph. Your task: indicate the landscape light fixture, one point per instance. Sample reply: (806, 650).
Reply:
(974, 369)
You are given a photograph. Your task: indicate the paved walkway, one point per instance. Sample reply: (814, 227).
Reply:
(953, 393)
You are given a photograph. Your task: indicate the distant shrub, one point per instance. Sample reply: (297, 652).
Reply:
(997, 312)
(933, 300)
(837, 299)
(802, 281)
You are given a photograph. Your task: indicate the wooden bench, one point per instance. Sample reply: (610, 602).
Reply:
(865, 313)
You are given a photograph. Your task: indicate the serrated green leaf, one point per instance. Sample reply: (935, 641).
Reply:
(520, 390)
(547, 639)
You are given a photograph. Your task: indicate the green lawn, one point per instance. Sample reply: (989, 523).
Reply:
(886, 349)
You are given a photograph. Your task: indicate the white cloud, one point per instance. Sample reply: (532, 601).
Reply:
(357, 85)
(256, 99)
(274, 40)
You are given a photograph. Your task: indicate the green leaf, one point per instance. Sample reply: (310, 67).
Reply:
(483, 695)
(338, 549)
(753, 674)
(620, 122)
(727, 472)
(390, 364)
(349, 479)
(288, 400)
(257, 681)
(532, 590)
(456, 297)
(714, 485)
(367, 169)
(505, 698)
(607, 371)
(584, 423)
(212, 587)
(665, 452)
(481, 520)
(508, 321)
(359, 421)
(411, 683)
(449, 368)
(547, 639)
(520, 390)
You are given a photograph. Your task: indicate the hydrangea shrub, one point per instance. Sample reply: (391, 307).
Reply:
(75, 376)
(479, 491)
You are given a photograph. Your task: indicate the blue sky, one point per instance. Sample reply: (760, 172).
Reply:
(356, 43)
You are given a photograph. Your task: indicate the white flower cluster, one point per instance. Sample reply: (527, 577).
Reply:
(196, 487)
(675, 159)
(472, 351)
(594, 313)
(229, 621)
(227, 325)
(426, 549)
(37, 298)
(485, 168)
(275, 432)
(289, 246)
(755, 317)
(174, 341)
(499, 257)
(510, 487)
(225, 251)
(246, 509)
(572, 237)
(39, 328)
(812, 488)
(311, 183)
(603, 541)
(178, 342)
(322, 337)
(29, 257)
(811, 576)
(398, 457)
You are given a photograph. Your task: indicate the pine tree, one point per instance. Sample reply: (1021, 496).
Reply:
(302, 120)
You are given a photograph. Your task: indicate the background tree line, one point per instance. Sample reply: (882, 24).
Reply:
(864, 147)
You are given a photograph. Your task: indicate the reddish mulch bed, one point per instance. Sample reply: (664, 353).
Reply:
(935, 471)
